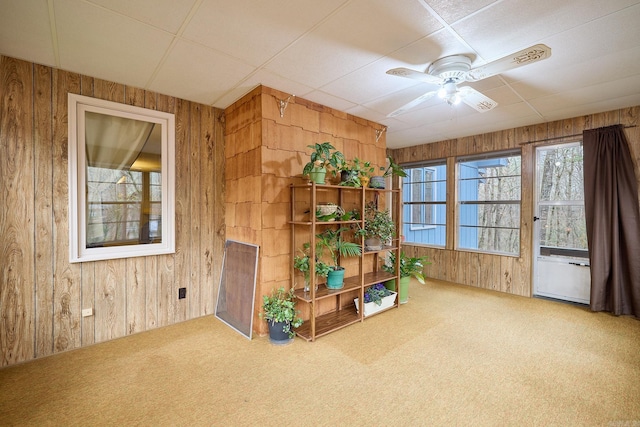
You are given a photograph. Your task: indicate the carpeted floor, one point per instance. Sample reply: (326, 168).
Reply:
(452, 356)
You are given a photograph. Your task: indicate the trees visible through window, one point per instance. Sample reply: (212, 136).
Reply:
(424, 211)
(489, 192)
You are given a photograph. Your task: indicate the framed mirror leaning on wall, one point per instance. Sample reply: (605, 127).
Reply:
(121, 180)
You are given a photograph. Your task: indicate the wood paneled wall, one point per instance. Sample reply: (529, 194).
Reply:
(265, 154)
(505, 273)
(41, 293)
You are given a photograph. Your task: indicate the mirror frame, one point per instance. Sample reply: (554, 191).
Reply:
(78, 251)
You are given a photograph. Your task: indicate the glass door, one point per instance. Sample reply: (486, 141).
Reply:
(561, 256)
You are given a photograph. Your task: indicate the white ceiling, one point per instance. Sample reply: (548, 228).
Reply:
(336, 53)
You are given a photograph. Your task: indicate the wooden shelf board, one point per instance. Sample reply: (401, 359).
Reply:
(350, 284)
(329, 322)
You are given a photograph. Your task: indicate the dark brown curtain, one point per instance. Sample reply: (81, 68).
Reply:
(613, 221)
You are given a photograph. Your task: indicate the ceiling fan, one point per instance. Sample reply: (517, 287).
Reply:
(449, 71)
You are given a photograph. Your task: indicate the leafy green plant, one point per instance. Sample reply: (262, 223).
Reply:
(332, 241)
(324, 155)
(301, 262)
(280, 307)
(377, 224)
(393, 169)
(409, 266)
(355, 170)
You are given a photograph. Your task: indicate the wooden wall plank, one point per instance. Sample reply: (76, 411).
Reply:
(16, 212)
(220, 214)
(194, 291)
(43, 210)
(183, 209)
(167, 289)
(206, 165)
(67, 299)
(88, 270)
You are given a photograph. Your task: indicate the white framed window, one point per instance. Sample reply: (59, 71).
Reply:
(422, 194)
(424, 203)
(121, 180)
(489, 193)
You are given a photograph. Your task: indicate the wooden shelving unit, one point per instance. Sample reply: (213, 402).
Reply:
(339, 309)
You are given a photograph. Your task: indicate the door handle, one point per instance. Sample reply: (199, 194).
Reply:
(535, 218)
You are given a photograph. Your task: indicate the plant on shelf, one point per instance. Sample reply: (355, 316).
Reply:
(324, 155)
(378, 229)
(355, 173)
(279, 310)
(375, 293)
(301, 262)
(409, 267)
(392, 169)
(332, 241)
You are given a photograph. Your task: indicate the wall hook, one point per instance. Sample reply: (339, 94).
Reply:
(282, 104)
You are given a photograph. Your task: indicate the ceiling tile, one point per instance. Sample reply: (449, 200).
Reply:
(25, 32)
(254, 31)
(98, 43)
(167, 15)
(204, 80)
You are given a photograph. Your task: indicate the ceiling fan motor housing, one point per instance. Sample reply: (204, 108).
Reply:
(452, 68)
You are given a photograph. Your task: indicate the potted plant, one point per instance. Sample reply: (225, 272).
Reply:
(409, 267)
(301, 262)
(393, 169)
(378, 229)
(324, 155)
(280, 313)
(332, 240)
(355, 173)
(376, 298)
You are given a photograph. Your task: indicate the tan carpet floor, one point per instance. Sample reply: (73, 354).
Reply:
(451, 356)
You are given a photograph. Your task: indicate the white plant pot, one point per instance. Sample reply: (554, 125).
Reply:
(373, 308)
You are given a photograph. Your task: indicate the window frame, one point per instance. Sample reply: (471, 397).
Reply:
(422, 205)
(77, 180)
(438, 220)
(459, 203)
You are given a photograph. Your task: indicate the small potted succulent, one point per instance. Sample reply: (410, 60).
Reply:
(324, 155)
(280, 313)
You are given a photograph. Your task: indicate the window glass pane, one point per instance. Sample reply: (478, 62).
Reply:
(561, 174)
(424, 210)
(563, 227)
(489, 192)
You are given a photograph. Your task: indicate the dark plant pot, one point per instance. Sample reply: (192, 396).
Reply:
(347, 175)
(277, 335)
(317, 175)
(335, 279)
(377, 182)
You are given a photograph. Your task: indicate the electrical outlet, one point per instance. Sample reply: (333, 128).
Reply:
(182, 293)
(86, 312)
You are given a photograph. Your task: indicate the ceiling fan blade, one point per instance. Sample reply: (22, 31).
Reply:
(476, 100)
(526, 56)
(412, 104)
(415, 75)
